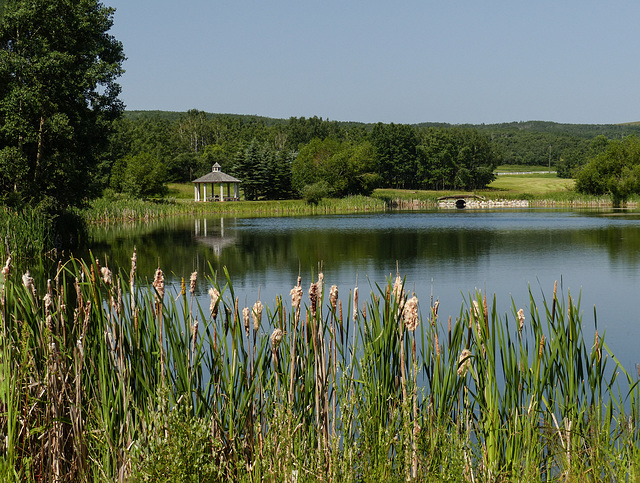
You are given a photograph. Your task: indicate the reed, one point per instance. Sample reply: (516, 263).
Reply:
(110, 376)
(118, 209)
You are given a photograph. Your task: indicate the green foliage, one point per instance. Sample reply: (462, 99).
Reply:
(139, 176)
(455, 159)
(58, 96)
(395, 146)
(615, 170)
(314, 193)
(345, 168)
(176, 447)
(143, 383)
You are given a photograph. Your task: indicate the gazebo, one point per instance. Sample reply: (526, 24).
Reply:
(214, 178)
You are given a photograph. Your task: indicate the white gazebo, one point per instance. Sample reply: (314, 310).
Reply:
(215, 178)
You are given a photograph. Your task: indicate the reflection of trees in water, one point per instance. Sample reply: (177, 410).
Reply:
(183, 247)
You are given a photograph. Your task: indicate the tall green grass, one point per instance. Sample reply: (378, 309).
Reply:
(118, 209)
(25, 233)
(109, 376)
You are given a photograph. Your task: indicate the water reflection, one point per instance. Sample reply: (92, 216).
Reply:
(449, 254)
(212, 237)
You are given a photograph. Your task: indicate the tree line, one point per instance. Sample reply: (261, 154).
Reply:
(285, 158)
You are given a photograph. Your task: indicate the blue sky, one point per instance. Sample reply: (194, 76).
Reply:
(456, 61)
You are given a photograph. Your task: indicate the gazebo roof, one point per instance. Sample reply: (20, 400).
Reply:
(217, 176)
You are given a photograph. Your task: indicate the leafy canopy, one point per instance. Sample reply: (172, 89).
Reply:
(614, 170)
(58, 98)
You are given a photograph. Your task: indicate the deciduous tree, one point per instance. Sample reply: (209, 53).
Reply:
(58, 98)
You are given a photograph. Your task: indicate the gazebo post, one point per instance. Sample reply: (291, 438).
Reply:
(221, 191)
(196, 194)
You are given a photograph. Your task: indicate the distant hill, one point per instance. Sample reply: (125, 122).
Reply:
(611, 131)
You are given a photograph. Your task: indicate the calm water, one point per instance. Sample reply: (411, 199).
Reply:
(450, 254)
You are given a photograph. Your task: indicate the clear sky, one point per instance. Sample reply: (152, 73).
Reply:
(455, 61)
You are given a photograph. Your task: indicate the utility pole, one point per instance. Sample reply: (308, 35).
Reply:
(549, 158)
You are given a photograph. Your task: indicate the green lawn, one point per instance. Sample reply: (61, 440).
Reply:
(534, 184)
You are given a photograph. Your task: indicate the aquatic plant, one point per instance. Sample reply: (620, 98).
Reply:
(109, 376)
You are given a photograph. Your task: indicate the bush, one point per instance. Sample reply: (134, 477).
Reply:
(313, 193)
(179, 448)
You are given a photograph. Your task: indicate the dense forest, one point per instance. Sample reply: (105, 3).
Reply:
(281, 158)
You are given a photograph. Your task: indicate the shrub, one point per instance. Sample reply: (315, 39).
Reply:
(313, 193)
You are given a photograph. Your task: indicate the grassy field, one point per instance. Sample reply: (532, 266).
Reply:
(535, 184)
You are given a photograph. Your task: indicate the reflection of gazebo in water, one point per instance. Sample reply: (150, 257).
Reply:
(217, 177)
(212, 237)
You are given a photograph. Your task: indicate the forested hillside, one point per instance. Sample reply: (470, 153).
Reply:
(280, 158)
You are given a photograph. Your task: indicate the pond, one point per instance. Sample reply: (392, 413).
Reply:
(447, 254)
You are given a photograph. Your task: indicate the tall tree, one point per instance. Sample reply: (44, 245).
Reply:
(58, 98)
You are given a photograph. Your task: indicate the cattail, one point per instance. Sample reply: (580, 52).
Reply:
(276, 338)
(7, 267)
(27, 281)
(192, 282)
(213, 306)
(398, 292)
(48, 302)
(355, 304)
(411, 319)
(119, 304)
(464, 362)
(520, 320)
(320, 284)
(596, 346)
(256, 314)
(434, 312)
(541, 348)
(245, 319)
(333, 296)
(475, 316)
(106, 275)
(296, 296)
(313, 298)
(134, 266)
(158, 284)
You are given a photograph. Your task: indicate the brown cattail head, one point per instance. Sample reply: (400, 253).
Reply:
(313, 298)
(411, 319)
(192, 282)
(106, 275)
(320, 285)
(475, 314)
(256, 314)
(27, 281)
(7, 267)
(333, 296)
(245, 319)
(355, 303)
(158, 284)
(276, 338)
(464, 362)
(520, 320)
(434, 312)
(296, 296)
(213, 306)
(134, 259)
(398, 291)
